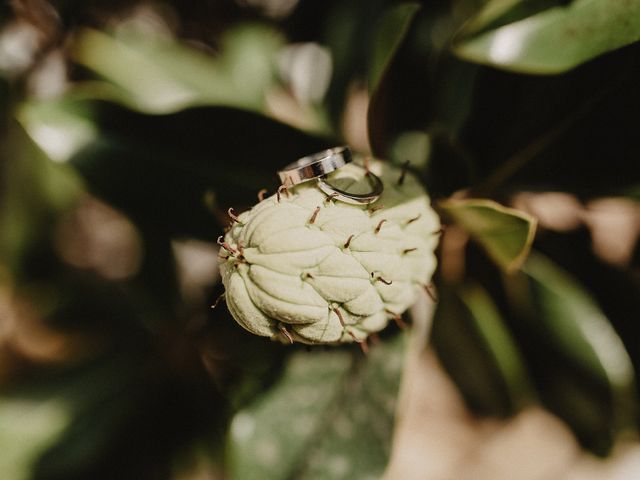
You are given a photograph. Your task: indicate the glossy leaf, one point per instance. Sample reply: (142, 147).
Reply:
(392, 29)
(330, 415)
(553, 40)
(161, 75)
(576, 324)
(490, 325)
(505, 233)
(168, 171)
(582, 369)
(478, 351)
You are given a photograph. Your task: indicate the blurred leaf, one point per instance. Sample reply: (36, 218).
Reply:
(349, 27)
(123, 415)
(392, 29)
(583, 370)
(584, 29)
(550, 146)
(33, 191)
(505, 233)
(407, 90)
(27, 429)
(164, 171)
(479, 352)
(329, 416)
(489, 323)
(494, 10)
(162, 75)
(576, 324)
(392, 32)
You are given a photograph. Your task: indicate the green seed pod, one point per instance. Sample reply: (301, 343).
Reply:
(302, 266)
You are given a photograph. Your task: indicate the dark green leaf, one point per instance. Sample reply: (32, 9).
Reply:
(479, 352)
(551, 146)
(488, 322)
(553, 40)
(168, 171)
(577, 326)
(392, 30)
(123, 415)
(583, 370)
(34, 190)
(329, 416)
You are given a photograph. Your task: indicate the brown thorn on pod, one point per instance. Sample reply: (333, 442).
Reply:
(314, 216)
(363, 344)
(411, 220)
(225, 245)
(218, 300)
(375, 339)
(403, 174)
(282, 188)
(348, 242)
(330, 197)
(286, 333)
(397, 318)
(409, 250)
(232, 214)
(379, 226)
(386, 282)
(336, 310)
(308, 275)
(261, 194)
(367, 164)
(430, 291)
(373, 210)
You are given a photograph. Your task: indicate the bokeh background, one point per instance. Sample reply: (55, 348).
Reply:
(127, 130)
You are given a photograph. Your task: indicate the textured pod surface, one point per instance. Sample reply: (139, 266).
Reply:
(306, 267)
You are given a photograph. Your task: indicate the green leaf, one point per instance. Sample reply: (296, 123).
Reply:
(505, 233)
(576, 324)
(392, 30)
(165, 170)
(583, 370)
(122, 415)
(479, 352)
(553, 40)
(490, 325)
(330, 415)
(34, 190)
(27, 429)
(159, 75)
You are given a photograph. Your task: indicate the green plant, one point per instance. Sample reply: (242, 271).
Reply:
(128, 130)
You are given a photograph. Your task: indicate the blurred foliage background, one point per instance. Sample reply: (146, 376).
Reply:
(129, 128)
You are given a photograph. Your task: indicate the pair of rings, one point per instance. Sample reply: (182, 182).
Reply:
(319, 165)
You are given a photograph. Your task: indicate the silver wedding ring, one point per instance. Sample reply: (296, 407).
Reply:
(314, 166)
(354, 198)
(319, 165)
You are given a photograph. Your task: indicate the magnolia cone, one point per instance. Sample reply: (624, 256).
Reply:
(302, 266)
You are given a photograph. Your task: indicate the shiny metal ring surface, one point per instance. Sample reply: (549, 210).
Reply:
(354, 198)
(315, 165)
